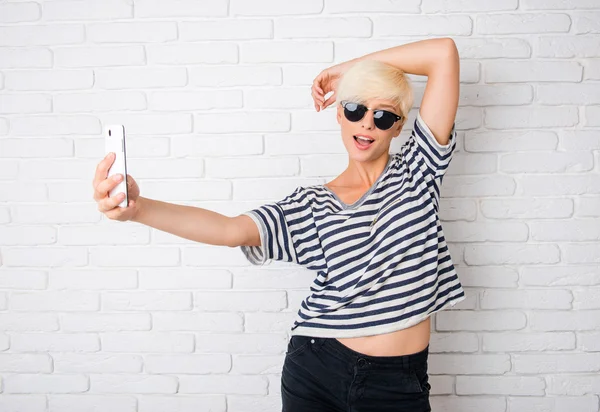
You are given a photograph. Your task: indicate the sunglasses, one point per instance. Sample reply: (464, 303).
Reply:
(382, 118)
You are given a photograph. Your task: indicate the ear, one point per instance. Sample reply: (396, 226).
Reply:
(397, 130)
(339, 114)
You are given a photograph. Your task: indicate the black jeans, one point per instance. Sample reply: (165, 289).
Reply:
(322, 374)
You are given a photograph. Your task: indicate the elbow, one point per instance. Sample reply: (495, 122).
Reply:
(448, 52)
(449, 47)
(448, 42)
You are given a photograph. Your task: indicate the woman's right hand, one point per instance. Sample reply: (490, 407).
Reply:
(326, 82)
(110, 205)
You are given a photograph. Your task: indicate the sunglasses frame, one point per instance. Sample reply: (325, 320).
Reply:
(345, 102)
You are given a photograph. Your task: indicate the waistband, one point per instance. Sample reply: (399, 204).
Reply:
(347, 354)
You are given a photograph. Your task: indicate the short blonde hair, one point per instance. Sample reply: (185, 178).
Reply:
(372, 79)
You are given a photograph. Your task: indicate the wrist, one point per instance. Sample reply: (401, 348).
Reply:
(139, 205)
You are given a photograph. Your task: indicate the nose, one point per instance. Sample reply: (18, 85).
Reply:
(368, 121)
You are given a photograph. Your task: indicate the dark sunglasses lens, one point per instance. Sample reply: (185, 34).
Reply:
(383, 120)
(354, 112)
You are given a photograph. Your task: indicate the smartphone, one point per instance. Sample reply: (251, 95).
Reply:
(114, 138)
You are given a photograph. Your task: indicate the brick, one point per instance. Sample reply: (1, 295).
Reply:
(196, 100)
(25, 57)
(552, 162)
(99, 56)
(526, 299)
(225, 29)
(508, 254)
(198, 322)
(568, 47)
(422, 25)
(19, 12)
(358, 6)
(131, 32)
(527, 208)
(244, 301)
(528, 341)
(105, 101)
(583, 94)
(25, 363)
(180, 8)
(229, 76)
(558, 4)
(49, 80)
(46, 383)
(55, 342)
(463, 6)
(507, 23)
(87, 10)
(140, 78)
(524, 71)
(147, 342)
(113, 403)
(146, 301)
(323, 27)
(283, 51)
(234, 122)
(199, 53)
(500, 385)
(25, 103)
(274, 7)
(132, 384)
(41, 35)
(531, 117)
(180, 403)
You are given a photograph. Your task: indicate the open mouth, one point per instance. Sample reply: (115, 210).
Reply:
(363, 141)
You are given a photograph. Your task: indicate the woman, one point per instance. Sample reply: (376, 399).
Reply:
(373, 236)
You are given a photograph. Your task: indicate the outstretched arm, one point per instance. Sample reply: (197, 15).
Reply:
(437, 59)
(188, 222)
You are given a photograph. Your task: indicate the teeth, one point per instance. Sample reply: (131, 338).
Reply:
(363, 139)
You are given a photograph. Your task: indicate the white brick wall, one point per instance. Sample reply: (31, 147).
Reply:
(98, 315)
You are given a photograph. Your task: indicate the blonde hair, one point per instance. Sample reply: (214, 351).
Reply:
(372, 79)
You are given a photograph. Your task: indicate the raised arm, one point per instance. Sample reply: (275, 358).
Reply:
(438, 60)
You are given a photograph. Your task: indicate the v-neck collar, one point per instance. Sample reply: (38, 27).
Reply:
(364, 196)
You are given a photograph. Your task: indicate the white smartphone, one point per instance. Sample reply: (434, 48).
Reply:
(114, 138)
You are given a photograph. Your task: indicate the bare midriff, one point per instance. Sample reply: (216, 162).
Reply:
(402, 342)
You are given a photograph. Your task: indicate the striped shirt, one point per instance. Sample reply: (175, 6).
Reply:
(382, 263)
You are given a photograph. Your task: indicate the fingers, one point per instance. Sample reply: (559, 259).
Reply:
(121, 213)
(330, 100)
(110, 203)
(318, 99)
(102, 188)
(317, 82)
(102, 169)
(319, 89)
(317, 92)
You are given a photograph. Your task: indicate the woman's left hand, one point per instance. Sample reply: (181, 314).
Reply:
(327, 81)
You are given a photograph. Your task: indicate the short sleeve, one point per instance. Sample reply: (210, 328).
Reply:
(287, 232)
(424, 147)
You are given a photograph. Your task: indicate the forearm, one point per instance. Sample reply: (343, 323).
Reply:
(193, 223)
(418, 58)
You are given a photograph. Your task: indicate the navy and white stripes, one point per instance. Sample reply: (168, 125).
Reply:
(382, 263)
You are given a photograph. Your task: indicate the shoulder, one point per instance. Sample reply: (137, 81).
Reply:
(396, 159)
(297, 200)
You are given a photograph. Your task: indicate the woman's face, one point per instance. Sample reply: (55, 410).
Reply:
(365, 127)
